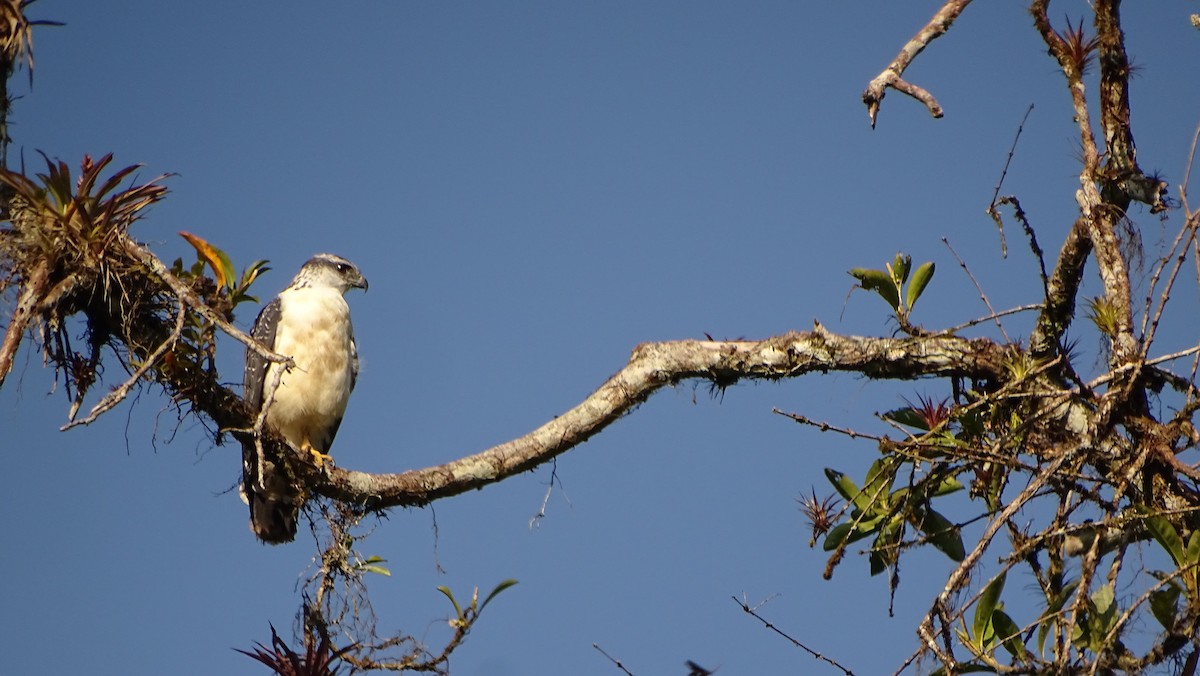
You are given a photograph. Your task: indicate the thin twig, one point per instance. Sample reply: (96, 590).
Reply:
(117, 395)
(1195, 349)
(991, 210)
(1187, 173)
(994, 316)
(983, 296)
(1012, 150)
(1195, 367)
(824, 426)
(1183, 239)
(612, 659)
(766, 623)
(1038, 253)
(554, 479)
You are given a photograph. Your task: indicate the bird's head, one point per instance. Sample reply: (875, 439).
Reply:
(326, 269)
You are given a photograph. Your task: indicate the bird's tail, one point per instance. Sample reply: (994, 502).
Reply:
(272, 521)
(274, 502)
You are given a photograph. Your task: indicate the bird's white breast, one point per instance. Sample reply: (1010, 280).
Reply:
(314, 330)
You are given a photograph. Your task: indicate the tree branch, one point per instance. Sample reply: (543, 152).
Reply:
(653, 366)
(1062, 288)
(891, 76)
(1099, 213)
(33, 289)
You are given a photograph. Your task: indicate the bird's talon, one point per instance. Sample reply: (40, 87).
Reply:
(320, 459)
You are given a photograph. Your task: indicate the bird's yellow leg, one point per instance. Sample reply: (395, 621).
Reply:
(319, 458)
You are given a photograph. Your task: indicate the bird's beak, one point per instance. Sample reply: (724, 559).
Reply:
(362, 283)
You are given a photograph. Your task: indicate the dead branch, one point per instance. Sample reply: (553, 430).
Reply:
(891, 76)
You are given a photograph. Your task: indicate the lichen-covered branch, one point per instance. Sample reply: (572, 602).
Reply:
(1062, 288)
(1099, 214)
(653, 366)
(34, 286)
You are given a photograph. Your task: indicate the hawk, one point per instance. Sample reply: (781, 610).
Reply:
(308, 321)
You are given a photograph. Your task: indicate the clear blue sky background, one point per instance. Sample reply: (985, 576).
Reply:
(532, 189)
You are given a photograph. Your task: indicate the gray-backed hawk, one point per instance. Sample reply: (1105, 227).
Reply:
(308, 321)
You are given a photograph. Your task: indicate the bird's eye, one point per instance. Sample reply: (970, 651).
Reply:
(342, 267)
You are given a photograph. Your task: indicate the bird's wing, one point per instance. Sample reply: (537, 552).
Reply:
(256, 365)
(353, 359)
(273, 509)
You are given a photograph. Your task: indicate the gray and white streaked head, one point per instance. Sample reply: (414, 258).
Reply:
(328, 270)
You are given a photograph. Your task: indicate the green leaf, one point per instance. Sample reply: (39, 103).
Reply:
(880, 476)
(252, 272)
(1103, 598)
(844, 484)
(985, 607)
(968, 642)
(836, 536)
(947, 486)
(450, 595)
(965, 669)
(908, 417)
(1164, 605)
(943, 535)
(1193, 548)
(1009, 634)
(499, 588)
(850, 531)
(1080, 634)
(1052, 609)
(880, 282)
(900, 267)
(227, 269)
(1167, 537)
(878, 562)
(884, 550)
(371, 565)
(1102, 619)
(916, 285)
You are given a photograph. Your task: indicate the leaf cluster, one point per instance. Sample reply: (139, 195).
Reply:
(897, 287)
(320, 657)
(881, 511)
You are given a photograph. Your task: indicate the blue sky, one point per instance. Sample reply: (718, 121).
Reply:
(532, 189)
